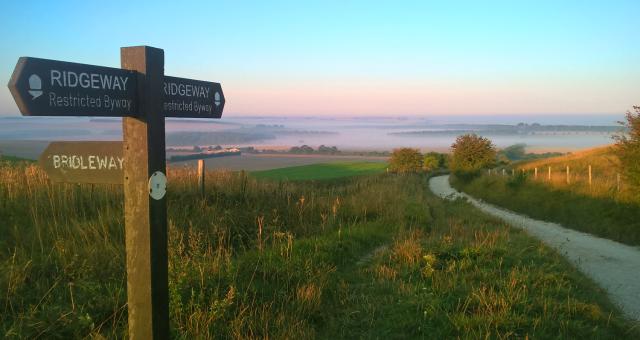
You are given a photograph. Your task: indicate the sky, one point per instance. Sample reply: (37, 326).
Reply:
(355, 58)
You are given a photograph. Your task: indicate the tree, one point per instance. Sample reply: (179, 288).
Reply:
(405, 160)
(628, 148)
(327, 150)
(471, 153)
(306, 149)
(430, 163)
(441, 157)
(515, 152)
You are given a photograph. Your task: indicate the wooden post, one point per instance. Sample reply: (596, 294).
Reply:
(535, 173)
(589, 174)
(145, 202)
(201, 176)
(568, 180)
(549, 176)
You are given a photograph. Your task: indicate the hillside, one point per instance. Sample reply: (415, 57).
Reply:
(372, 256)
(604, 207)
(606, 180)
(603, 161)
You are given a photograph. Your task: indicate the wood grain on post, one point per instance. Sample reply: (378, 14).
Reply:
(145, 216)
(201, 176)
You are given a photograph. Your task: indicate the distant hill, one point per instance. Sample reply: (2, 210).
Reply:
(517, 129)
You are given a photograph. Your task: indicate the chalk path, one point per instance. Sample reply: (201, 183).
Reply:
(612, 265)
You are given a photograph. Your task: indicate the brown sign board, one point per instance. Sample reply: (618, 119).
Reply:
(43, 87)
(84, 162)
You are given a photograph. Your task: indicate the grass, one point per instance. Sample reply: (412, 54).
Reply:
(605, 167)
(322, 171)
(281, 259)
(600, 216)
(598, 209)
(468, 276)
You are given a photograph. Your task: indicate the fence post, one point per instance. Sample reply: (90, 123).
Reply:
(201, 176)
(535, 173)
(568, 180)
(549, 174)
(589, 174)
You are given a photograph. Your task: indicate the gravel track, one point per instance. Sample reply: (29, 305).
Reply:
(612, 265)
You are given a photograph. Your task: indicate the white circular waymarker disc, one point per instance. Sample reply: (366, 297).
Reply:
(157, 185)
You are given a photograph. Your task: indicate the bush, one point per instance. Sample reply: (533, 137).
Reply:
(430, 163)
(470, 154)
(517, 181)
(628, 148)
(443, 158)
(405, 160)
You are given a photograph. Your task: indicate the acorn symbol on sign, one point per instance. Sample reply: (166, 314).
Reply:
(216, 98)
(35, 86)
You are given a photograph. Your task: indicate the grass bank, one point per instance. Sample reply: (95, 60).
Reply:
(606, 178)
(598, 215)
(322, 171)
(282, 259)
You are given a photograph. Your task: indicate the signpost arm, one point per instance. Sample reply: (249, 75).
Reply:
(145, 214)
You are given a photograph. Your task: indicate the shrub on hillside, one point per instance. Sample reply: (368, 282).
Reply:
(405, 160)
(430, 163)
(628, 148)
(443, 158)
(471, 153)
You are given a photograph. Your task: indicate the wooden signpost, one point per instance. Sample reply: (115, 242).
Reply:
(141, 93)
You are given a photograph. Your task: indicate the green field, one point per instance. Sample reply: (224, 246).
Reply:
(13, 160)
(376, 256)
(322, 171)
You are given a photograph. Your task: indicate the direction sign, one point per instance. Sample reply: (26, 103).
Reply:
(84, 162)
(192, 98)
(141, 94)
(43, 87)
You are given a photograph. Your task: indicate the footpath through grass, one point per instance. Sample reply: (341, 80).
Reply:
(597, 215)
(279, 259)
(322, 171)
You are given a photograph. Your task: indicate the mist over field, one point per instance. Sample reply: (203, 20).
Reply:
(538, 132)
